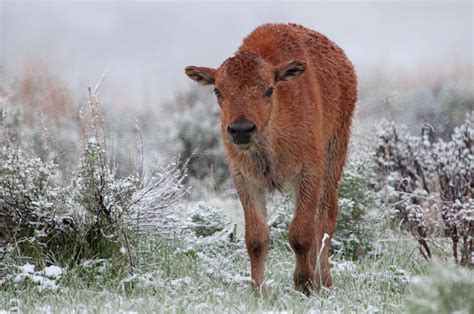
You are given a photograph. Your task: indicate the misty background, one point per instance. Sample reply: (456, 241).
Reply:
(413, 60)
(144, 46)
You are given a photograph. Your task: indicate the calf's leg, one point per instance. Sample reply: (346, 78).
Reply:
(257, 232)
(336, 150)
(302, 232)
(326, 225)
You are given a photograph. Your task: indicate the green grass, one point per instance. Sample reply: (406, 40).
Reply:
(178, 277)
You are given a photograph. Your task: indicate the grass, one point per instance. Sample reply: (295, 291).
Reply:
(192, 276)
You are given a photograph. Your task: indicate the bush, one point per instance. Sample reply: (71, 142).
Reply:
(100, 201)
(446, 288)
(355, 229)
(206, 221)
(196, 127)
(430, 184)
(33, 206)
(156, 200)
(38, 109)
(41, 114)
(53, 221)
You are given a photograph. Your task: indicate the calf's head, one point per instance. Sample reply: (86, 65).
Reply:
(245, 87)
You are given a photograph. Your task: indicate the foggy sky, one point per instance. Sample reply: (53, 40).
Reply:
(146, 45)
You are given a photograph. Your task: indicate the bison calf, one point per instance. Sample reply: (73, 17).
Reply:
(287, 97)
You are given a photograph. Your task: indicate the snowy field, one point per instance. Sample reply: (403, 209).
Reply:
(211, 274)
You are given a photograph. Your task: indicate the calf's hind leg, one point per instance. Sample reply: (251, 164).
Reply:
(302, 232)
(325, 227)
(336, 151)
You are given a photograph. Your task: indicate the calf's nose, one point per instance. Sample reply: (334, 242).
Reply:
(241, 131)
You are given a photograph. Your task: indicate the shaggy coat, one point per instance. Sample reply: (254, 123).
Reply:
(287, 98)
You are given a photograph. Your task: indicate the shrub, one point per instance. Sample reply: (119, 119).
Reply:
(196, 127)
(355, 230)
(33, 206)
(100, 201)
(39, 112)
(430, 184)
(55, 221)
(206, 221)
(156, 199)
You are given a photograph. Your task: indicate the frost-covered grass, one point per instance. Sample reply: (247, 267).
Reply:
(203, 267)
(194, 275)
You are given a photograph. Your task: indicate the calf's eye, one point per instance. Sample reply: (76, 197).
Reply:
(269, 92)
(218, 93)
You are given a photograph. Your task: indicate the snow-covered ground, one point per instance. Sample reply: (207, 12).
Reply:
(205, 270)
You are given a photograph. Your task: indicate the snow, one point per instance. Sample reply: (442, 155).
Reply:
(344, 266)
(27, 268)
(53, 271)
(45, 279)
(149, 279)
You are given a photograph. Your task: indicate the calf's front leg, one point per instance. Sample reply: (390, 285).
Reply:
(257, 232)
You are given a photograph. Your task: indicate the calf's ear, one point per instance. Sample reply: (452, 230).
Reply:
(289, 71)
(202, 75)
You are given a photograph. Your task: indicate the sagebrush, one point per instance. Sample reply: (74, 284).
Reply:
(430, 184)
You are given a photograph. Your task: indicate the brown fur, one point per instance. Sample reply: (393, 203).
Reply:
(302, 133)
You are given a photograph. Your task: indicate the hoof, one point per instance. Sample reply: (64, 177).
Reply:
(305, 284)
(260, 291)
